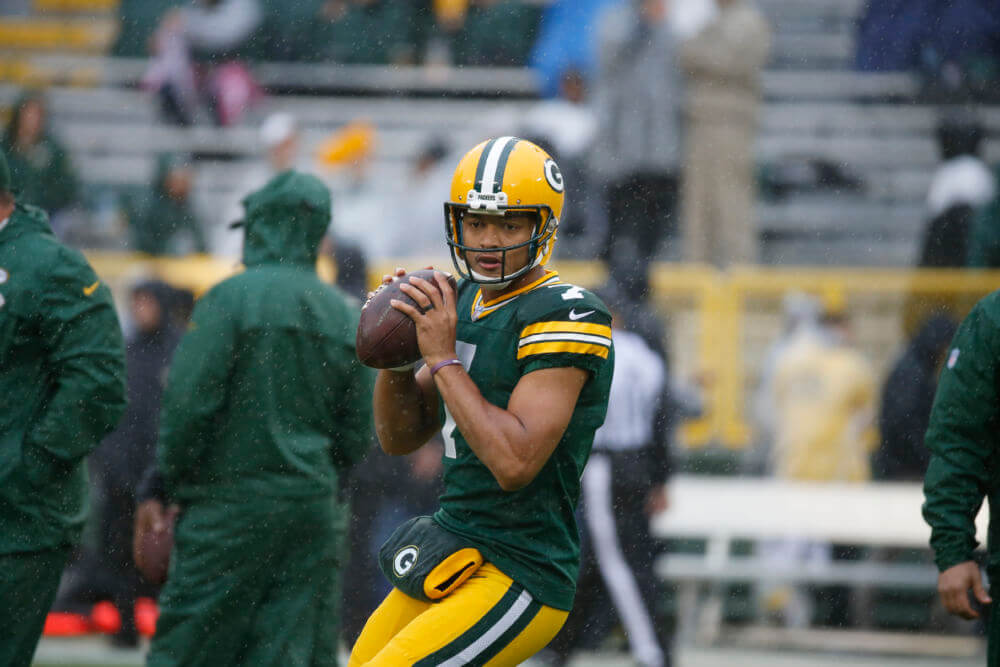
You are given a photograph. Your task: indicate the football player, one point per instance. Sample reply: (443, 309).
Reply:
(517, 371)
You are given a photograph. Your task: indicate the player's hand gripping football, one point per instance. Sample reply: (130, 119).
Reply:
(437, 318)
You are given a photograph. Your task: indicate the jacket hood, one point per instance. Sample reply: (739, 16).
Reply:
(932, 339)
(286, 220)
(25, 219)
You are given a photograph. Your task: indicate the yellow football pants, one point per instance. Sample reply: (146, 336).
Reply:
(489, 620)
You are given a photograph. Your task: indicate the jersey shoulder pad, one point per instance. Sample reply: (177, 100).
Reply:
(564, 319)
(560, 300)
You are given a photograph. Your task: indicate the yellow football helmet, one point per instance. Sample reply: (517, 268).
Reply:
(500, 175)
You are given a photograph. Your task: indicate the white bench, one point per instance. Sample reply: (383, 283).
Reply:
(720, 510)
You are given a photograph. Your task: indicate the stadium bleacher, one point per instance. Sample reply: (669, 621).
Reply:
(816, 108)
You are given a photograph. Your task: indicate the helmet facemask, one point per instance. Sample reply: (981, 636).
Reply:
(539, 245)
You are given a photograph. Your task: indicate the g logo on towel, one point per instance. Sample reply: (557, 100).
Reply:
(404, 560)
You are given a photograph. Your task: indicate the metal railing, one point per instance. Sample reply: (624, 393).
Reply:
(719, 321)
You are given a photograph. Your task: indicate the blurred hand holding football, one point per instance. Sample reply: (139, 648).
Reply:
(387, 337)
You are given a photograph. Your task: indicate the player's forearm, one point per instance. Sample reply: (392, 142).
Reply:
(403, 419)
(497, 436)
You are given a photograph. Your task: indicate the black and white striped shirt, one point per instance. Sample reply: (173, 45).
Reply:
(636, 390)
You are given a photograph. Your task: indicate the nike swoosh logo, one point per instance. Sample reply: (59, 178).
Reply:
(90, 289)
(573, 315)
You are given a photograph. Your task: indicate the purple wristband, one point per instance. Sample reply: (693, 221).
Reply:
(441, 364)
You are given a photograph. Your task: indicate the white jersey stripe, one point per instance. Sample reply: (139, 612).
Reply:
(583, 338)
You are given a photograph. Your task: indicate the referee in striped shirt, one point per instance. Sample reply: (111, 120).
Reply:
(623, 485)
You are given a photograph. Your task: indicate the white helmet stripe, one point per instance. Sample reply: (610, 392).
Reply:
(492, 160)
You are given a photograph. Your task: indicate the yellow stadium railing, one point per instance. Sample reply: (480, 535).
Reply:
(719, 321)
(76, 6)
(92, 35)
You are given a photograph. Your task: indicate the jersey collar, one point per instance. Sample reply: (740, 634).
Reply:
(481, 307)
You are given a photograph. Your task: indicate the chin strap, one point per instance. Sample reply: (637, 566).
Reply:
(487, 281)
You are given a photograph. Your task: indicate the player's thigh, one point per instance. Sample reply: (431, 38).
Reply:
(490, 619)
(389, 618)
(541, 630)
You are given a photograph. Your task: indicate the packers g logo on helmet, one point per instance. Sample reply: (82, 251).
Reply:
(500, 175)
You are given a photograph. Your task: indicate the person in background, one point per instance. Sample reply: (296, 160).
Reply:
(166, 224)
(352, 32)
(281, 139)
(907, 397)
(221, 32)
(485, 33)
(823, 398)
(824, 403)
(801, 315)
(963, 439)
(125, 454)
(958, 230)
(961, 184)
(428, 176)
(636, 152)
(566, 41)
(64, 385)
(567, 125)
(624, 485)
(723, 63)
(40, 168)
(359, 200)
(266, 403)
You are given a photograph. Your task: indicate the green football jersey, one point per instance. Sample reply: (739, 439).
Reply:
(530, 534)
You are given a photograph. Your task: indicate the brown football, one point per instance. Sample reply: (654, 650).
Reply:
(386, 337)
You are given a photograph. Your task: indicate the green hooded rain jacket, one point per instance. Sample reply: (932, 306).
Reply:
(63, 382)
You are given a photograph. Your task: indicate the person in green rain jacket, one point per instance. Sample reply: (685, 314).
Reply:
(166, 223)
(63, 388)
(40, 168)
(964, 439)
(265, 401)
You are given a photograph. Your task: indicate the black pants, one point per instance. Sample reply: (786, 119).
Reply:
(117, 527)
(109, 572)
(641, 211)
(617, 563)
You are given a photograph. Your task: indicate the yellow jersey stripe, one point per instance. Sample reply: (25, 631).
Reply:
(566, 327)
(562, 347)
